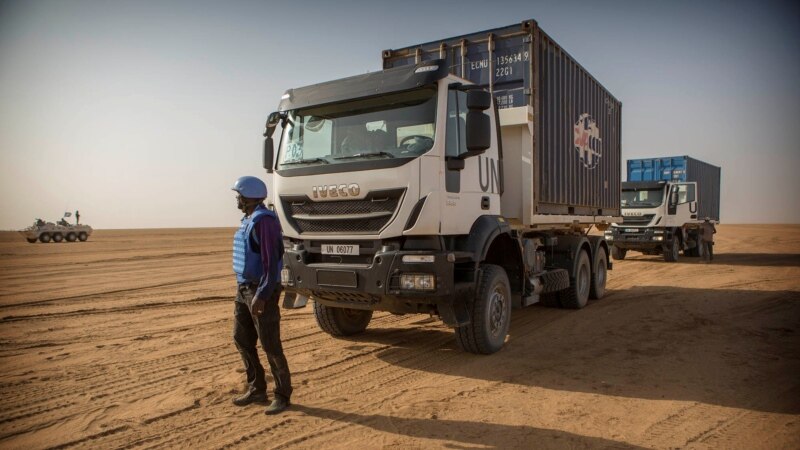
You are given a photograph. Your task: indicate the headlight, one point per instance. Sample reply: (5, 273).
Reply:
(417, 258)
(658, 238)
(417, 282)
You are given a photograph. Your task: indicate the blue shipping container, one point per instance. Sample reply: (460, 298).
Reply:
(682, 169)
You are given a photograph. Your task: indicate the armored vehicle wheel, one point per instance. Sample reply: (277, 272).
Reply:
(71, 237)
(83, 236)
(58, 237)
(672, 249)
(341, 321)
(44, 237)
(618, 253)
(577, 294)
(599, 275)
(490, 313)
(31, 240)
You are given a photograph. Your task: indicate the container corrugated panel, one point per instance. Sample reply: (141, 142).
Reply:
(684, 169)
(577, 121)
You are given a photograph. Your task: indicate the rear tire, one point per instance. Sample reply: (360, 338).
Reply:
(82, 236)
(71, 237)
(672, 250)
(618, 253)
(44, 238)
(490, 313)
(577, 295)
(31, 240)
(58, 237)
(599, 275)
(341, 321)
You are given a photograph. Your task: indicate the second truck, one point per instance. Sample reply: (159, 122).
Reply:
(664, 203)
(460, 181)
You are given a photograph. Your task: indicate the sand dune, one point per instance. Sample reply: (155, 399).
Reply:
(125, 341)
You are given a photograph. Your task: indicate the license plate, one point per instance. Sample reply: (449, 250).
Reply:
(339, 249)
(631, 230)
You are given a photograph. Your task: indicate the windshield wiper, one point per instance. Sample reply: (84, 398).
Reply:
(305, 161)
(365, 154)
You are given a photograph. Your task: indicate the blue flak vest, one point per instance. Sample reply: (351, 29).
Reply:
(247, 261)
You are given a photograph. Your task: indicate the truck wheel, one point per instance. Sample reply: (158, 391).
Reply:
(341, 321)
(71, 237)
(31, 240)
(672, 250)
(618, 253)
(599, 275)
(490, 313)
(577, 295)
(58, 237)
(44, 237)
(82, 236)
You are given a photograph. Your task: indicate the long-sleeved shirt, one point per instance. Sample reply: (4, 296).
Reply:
(268, 235)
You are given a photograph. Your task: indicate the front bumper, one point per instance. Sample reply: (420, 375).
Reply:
(636, 237)
(372, 280)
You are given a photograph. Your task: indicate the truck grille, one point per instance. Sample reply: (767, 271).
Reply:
(637, 220)
(368, 215)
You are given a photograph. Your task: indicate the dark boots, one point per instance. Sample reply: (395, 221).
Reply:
(277, 406)
(251, 397)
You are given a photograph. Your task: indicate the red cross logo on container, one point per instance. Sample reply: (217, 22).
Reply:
(587, 141)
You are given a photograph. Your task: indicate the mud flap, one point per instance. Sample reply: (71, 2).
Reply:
(293, 300)
(454, 315)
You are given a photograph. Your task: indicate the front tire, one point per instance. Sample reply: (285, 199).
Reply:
(341, 321)
(490, 313)
(82, 236)
(672, 250)
(599, 275)
(577, 295)
(618, 253)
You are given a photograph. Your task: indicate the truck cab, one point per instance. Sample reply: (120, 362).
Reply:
(658, 217)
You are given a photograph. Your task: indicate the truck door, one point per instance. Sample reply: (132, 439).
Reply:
(471, 186)
(682, 204)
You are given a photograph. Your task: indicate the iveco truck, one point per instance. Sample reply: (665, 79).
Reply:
(664, 202)
(459, 181)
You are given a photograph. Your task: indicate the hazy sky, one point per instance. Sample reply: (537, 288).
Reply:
(143, 113)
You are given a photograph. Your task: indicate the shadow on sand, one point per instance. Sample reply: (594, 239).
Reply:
(734, 348)
(468, 433)
(730, 259)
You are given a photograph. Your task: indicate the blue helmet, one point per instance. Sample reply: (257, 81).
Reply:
(250, 187)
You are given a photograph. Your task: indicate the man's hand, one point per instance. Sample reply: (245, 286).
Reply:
(257, 306)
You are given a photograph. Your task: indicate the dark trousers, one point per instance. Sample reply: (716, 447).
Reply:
(248, 330)
(708, 254)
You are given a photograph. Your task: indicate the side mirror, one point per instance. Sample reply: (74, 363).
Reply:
(272, 122)
(478, 99)
(269, 152)
(478, 133)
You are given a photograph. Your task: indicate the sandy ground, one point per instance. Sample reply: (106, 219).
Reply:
(125, 341)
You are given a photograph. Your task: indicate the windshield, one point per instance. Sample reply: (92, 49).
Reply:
(390, 126)
(642, 198)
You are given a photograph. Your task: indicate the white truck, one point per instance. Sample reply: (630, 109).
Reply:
(460, 181)
(664, 203)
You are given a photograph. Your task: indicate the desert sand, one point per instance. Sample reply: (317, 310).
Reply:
(125, 342)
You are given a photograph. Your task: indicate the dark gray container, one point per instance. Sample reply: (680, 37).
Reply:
(683, 168)
(577, 122)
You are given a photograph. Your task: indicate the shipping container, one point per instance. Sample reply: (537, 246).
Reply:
(683, 169)
(574, 148)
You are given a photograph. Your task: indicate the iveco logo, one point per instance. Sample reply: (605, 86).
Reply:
(335, 190)
(635, 213)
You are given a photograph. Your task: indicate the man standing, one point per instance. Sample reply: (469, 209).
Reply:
(707, 231)
(257, 253)
(77, 217)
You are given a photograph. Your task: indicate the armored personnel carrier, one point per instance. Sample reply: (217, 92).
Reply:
(57, 232)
